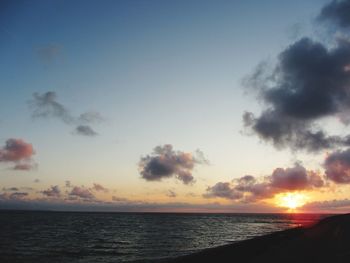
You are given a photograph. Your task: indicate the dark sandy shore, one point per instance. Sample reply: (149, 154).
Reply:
(327, 241)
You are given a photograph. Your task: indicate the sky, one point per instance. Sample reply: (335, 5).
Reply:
(175, 106)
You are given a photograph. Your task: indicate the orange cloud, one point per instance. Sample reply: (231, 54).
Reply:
(19, 152)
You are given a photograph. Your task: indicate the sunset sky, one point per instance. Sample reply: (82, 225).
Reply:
(211, 106)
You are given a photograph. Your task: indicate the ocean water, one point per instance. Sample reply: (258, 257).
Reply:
(127, 237)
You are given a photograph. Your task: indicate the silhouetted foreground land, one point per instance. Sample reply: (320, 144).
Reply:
(327, 241)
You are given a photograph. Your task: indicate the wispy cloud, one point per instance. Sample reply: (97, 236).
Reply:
(10, 189)
(91, 117)
(331, 205)
(171, 193)
(120, 199)
(46, 105)
(99, 188)
(49, 53)
(126, 205)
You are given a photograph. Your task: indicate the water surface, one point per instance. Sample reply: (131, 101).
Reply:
(126, 237)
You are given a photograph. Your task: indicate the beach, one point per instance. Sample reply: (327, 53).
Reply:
(326, 241)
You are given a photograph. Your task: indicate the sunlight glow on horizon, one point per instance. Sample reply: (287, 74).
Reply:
(291, 200)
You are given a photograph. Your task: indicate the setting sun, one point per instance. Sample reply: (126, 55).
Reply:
(291, 200)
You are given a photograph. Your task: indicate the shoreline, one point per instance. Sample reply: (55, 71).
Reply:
(328, 240)
(5, 210)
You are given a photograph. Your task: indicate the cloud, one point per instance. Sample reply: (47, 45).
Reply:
(337, 12)
(119, 199)
(91, 117)
(81, 192)
(49, 53)
(82, 199)
(164, 162)
(85, 130)
(19, 152)
(99, 188)
(53, 191)
(16, 150)
(337, 166)
(13, 196)
(223, 190)
(23, 166)
(251, 189)
(296, 178)
(36, 181)
(26, 188)
(171, 194)
(309, 83)
(327, 205)
(46, 105)
(18, 195)
(68, 184)
(10, 189)
(125, 205)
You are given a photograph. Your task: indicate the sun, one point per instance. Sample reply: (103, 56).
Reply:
(291, 201)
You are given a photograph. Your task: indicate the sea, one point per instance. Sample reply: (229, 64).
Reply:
(84, 237)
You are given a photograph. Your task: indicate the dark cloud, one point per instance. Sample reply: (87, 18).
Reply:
(53, 191)
(85, 130)
(338, 12)
(81, 192)
(19, 152)
(296, 178)
(337, 166)
(36, 181)
(164, 162)
(46, 105)
(99, 188)
(251, 189)
(223, 190)
(310, 82)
